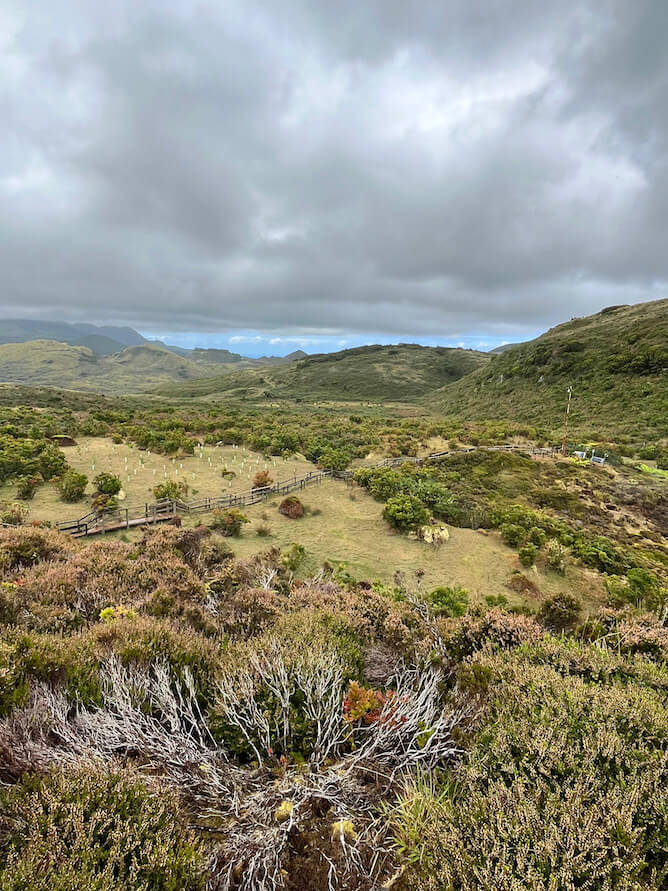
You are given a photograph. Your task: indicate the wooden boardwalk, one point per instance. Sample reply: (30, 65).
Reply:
(168, 510)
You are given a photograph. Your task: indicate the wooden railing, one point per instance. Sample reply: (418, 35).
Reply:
(166, 508)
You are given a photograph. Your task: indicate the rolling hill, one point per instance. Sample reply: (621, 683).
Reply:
(134, 369)
(395, 373)
(616, 361)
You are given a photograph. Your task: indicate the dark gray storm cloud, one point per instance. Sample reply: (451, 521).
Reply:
(424, 168)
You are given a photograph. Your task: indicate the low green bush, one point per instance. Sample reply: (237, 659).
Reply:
(73, 485)
(406, 512)
(527, 554)
(107, 484)
(229, 522)
(449, 601)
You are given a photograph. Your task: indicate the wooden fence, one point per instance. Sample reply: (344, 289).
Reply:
(167, 509)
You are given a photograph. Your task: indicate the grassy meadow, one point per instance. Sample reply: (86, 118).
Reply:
(344, 525)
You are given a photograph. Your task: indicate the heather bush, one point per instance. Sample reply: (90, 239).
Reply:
(291, 507)
(72, 662)
(97, 830)
(23, 547)
(491, 630)
(563, 787)
(66, 595)
(282, 695)
(560, 612)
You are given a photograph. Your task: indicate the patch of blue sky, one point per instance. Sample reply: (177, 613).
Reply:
(255, 343)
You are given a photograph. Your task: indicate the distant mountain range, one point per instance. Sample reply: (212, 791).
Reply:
(101, 339)
(106, 340)
(108, 359)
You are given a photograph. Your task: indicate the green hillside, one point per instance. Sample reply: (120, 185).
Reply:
(133, 370)
(395, 373)
(616, 361)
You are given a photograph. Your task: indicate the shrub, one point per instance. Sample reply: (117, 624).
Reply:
(171, 489)
(527, 554)
(263, 530)
(13, 514)
(262, 479)
(555, 556)
(294, 557)
(27, 486)
(512, 534)
(363, 703)
(73, 485)
(89, 829)
(494, 629)
(449, 601)
(536, 536)
(561, 612)
(291, 507)
(334, 459)
(406, 512)
(562, 809)
(229, 522)
(23, 547)
(107, 484)
(102, 503)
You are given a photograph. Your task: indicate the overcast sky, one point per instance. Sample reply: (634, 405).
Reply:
(456, 170)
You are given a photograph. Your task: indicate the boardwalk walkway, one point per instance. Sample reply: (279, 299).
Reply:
(167, 510)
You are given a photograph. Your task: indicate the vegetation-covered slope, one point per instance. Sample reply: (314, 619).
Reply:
(396, 373)
(94, 365)
(616, 361)
(134, 369)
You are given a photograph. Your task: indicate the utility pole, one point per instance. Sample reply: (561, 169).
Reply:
(568, 412)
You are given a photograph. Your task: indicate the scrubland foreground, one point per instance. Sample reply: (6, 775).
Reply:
(176, 718)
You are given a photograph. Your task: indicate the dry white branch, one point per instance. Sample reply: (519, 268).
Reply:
(154, 719)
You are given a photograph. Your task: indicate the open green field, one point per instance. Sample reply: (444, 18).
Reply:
(344, 526)
(350, 529)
